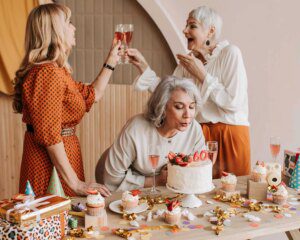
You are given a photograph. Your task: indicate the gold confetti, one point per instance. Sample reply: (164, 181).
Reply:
(76, 233)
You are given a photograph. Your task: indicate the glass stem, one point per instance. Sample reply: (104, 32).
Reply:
(153, 180)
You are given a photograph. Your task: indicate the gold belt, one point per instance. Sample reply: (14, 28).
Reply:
(65, 132)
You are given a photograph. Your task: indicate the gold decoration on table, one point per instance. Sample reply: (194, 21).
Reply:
(77, 233)
(221, 217)
(123, 233)
(151, 201)
(129, 216)
(126, 233)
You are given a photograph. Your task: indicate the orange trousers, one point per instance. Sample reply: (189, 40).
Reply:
(233, 148)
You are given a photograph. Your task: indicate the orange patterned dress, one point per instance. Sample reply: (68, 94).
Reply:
(52, 101)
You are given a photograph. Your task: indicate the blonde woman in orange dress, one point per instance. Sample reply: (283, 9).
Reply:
(52, 103)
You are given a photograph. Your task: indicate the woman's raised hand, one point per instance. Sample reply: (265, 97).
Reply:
(193, 65)
(137, 59)
(113, 56)
(83, 188)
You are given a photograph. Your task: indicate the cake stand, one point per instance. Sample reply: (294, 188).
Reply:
(190, 200)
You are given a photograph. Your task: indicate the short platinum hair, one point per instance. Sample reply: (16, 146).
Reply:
(208, 17)
(156, 107)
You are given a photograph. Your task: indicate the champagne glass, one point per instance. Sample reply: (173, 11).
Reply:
(212, 149)
(275, 147)
(154, 153)
(124, 32)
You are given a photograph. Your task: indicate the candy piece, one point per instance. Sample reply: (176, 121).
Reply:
(191, 216)
(149, 217)
(134, 223)
(140, 217)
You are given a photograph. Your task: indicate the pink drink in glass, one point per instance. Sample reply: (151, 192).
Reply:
(275, 149)
(154, 160)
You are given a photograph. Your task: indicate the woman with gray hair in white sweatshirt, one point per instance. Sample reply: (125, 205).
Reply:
(168, 122)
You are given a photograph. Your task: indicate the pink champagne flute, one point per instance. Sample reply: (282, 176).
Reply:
(275, 147)
(154, 153)
(212, 149)
(124, 33)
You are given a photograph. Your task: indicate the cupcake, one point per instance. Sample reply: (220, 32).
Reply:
(95, 203)
(173, 212)
(130, 199)
(259, 172)
(228, 181)
(280, 195)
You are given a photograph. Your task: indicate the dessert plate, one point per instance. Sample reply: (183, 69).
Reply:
(115, 207)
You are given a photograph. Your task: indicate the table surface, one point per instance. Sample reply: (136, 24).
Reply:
(240, 227)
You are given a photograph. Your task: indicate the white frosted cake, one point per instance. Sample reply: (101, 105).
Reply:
(195, 177)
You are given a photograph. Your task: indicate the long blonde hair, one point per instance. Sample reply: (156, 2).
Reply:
(44, 42)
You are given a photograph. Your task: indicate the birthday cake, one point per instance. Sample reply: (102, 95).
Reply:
(190, 174)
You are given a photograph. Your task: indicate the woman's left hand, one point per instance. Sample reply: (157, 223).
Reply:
(194, 66)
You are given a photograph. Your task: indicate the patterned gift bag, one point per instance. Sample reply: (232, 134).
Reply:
(290, 160)
(295, 178)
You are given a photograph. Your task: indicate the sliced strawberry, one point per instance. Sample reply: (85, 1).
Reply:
(172, 204)
(178, 159)
(135, 192)
(171, 155)
(183, 164)
(92, 191)
(182, 155)
(203, 155)
(225, 174)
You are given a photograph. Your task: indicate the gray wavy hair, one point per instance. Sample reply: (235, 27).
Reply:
(156, 106)
(208, 17)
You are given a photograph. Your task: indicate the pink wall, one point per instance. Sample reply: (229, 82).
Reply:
(268, 34)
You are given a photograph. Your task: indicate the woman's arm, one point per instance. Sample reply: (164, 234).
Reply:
(60, 160)
(103, 77)
(229, 90)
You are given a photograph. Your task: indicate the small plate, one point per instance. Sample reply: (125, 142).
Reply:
(115, 207)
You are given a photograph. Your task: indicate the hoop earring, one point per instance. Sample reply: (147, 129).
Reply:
(207, 42)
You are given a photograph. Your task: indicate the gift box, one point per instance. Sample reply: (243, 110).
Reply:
(26, 211)
(53, 227)
(290, 160)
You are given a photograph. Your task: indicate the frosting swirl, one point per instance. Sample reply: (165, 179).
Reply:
(127, 196)
(95, 199)
(230, 178)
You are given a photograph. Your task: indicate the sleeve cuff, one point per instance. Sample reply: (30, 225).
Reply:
(146, 81)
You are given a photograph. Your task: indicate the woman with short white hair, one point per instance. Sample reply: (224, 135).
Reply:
(218, 70)
(168, 122)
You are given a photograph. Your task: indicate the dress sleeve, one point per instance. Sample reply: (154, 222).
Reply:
(230, 89)
(45, 106)
(88, 94)
(146, 81)
(118, 175)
